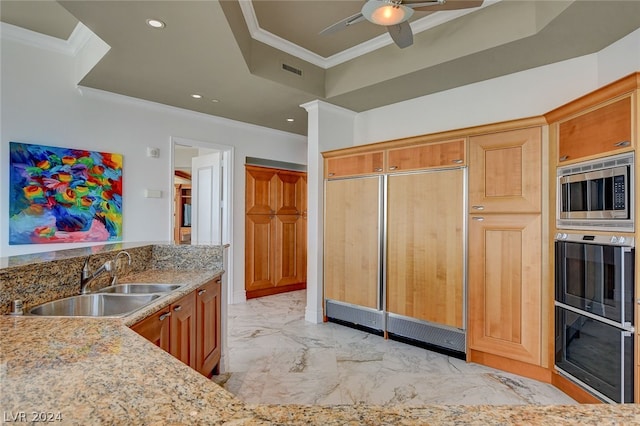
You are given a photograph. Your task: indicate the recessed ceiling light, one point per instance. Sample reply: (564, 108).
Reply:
(154, 23)
(291, 120)
(215, 101)
(196, 96)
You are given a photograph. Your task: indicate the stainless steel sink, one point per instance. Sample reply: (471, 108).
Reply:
(94, 305)
(140, 288)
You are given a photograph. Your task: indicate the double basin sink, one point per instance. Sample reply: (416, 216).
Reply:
(113, 301)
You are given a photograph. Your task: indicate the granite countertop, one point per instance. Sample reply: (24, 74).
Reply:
(84, 370)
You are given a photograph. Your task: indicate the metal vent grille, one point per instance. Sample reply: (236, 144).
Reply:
(292, 69)
(424, 332)
(355, 315)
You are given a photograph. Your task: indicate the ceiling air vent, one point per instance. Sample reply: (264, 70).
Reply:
(292, 69)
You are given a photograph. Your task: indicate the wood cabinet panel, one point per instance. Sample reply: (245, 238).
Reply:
(208, 334)
(260, 190)
(352, 240)
(604, 130)
(291, 188)
(183, 330)
(425, 253)
(155, 328)
(505, 171)
(260, 251)
(290, 257)
(355, 165)
(505, 286)
(443, 154)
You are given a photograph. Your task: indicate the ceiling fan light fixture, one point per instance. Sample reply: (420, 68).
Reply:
(386, 12)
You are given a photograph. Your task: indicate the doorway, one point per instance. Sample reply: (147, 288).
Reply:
(203, 197)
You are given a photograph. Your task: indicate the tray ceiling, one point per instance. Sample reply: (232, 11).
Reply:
(241, 54)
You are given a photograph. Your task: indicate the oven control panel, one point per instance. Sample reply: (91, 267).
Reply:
(613, 240)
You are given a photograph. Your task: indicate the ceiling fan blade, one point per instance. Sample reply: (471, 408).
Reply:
(420, 4)
(340, 25)
(401, 34)
(448, 5)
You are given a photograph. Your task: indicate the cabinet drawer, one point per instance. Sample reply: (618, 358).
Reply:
(355, 165)
(603, 130)
(442, 154)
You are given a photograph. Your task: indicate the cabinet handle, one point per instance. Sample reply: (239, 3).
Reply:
(564, 158)
(478, 218)
(201, 292)
(457, 161)
(177, 308)
(164, 316)
(331, 174)
(477, 207)
(377, 169)
(622, 143)
(393, 167)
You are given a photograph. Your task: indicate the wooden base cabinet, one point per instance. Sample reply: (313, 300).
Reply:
(505, 286)
(155, 328)
(189, 329)
(208, 343)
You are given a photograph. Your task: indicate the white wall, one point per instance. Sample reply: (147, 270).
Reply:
(523, 94)
(41, 104)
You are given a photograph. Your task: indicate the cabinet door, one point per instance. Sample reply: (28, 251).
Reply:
(260, 190)
(425, 248)
(440, 154)
(155, 328)
(260, 231)
(505, 172)
(208, 349)
(352, 241)
(355, 165)
(290, 259)
(505, 286)
(601, 131)
(290, 199)
(183, 330)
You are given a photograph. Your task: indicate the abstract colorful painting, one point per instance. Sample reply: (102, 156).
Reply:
(63, 195)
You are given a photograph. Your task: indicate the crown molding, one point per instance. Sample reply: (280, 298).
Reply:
(77, 40)
(417, 26)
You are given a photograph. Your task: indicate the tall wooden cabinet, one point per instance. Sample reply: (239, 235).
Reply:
(275, 231)
(505, 246)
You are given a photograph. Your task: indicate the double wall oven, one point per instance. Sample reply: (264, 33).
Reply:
(594, 277)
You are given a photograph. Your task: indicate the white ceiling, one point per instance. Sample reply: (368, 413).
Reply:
(234, 51)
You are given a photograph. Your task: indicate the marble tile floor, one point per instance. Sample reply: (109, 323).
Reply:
(276, 357)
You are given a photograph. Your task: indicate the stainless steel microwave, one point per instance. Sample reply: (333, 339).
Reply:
(597, 194)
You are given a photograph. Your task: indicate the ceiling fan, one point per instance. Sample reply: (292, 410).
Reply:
(395, 14)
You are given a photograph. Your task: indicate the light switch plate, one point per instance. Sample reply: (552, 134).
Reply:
(152, 193)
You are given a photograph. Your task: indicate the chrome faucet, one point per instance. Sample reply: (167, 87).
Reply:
(86, 276)
(114, 271)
